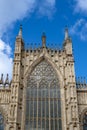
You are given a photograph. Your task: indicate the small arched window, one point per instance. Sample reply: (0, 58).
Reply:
(85, 121)
(1, 122)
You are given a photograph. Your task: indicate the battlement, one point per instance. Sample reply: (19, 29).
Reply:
(5, 83)
(81, 83)
(35, 46)
(49, 50)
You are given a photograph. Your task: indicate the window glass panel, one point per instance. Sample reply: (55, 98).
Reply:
(85, 121)
(1, 122)
(43, 102)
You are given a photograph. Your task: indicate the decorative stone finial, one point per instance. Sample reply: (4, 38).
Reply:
(84, 80)
(1, 81)
(66, 33)
(7, 80)
(20, 31)
(43, 40)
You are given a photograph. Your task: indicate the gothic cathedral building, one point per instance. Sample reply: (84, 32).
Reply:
(43, 93)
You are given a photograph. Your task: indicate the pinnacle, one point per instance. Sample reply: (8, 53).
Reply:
(66, 33)
(20, 32)
(43, 39)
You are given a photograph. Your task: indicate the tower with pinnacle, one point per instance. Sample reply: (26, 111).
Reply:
(43, 93)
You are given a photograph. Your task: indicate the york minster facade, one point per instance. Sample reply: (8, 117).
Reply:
(43, 93)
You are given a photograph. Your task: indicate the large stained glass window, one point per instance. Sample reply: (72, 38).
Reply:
(85, 121)
(43, 101)
(1, 122)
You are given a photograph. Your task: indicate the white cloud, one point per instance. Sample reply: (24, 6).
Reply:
(79, 29)
(5, 47)
(5, 59)
(46, 7)
(81, 5)
(12, 11)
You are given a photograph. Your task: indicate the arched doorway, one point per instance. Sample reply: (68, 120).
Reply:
(43, 100)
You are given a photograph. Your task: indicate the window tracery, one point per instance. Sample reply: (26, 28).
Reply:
(43, 102)
(85, 121)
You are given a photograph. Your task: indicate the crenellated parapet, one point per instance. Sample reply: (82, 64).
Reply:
(5, 90)
(81, 83)
(5, 83)
(38, 51)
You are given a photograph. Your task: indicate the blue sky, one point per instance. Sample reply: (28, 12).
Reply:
(49, 16)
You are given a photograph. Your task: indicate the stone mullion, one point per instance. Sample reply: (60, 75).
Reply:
(41, 105)
(53, 112)
(37, 104)
(33, 107)
(58, 98)
(49, 107)
(29, 107)
(45, 112)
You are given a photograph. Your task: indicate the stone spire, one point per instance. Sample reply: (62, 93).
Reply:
(20, 32)
(66, 33)
(43, 40)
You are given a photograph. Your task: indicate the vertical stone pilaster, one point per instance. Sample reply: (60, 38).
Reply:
(17, 85)
(70, 85)
(71, 96)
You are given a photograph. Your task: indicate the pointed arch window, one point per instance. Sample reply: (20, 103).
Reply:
(1, 122)
(43, 100)
(85, 121)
